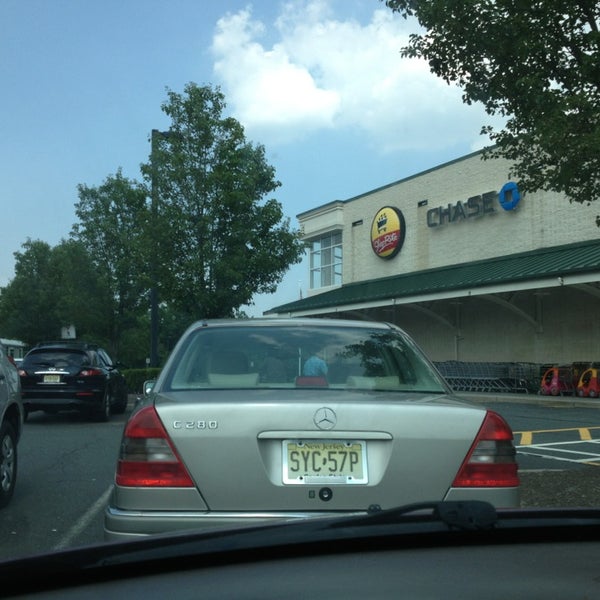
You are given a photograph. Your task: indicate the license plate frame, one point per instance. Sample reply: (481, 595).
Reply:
(324, 462)
(52, 378)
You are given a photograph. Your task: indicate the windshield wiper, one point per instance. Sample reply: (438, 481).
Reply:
(467, 515)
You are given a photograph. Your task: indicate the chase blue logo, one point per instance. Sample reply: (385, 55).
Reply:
(474, 207)
(509, 196)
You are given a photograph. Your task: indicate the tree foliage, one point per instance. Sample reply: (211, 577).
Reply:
(535, 63)
(204, 230)
(24, 301)
(80, 293)
(113, 219)
(53, 288)
(218, 236)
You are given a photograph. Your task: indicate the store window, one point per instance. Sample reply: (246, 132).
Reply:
(326, 260)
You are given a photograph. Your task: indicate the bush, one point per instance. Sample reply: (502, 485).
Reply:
(135, 378)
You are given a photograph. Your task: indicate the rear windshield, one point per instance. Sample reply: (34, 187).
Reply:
(55, 358)
(292, 357)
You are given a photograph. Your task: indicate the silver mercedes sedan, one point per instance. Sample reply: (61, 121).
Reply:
(255, 421)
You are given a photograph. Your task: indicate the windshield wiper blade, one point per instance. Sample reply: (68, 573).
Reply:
(465, 515)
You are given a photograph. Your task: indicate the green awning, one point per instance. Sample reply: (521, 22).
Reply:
(557, 261)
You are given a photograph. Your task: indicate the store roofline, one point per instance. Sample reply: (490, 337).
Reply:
(568, 264)
(320, 208)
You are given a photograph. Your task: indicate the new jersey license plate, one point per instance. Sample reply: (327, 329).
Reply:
(316, 462)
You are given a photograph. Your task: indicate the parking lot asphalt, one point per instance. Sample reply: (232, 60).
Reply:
(572, 488)
(555, 488)
(538, 399)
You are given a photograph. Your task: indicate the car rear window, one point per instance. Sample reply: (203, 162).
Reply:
(55, 358)
(293, 357)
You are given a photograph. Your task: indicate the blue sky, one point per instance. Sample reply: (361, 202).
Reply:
(320, 83)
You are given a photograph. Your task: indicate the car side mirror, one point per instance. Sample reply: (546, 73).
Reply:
(149, 386)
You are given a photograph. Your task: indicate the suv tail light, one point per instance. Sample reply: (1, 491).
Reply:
(90, 372)
(491, 460)
(147, 457)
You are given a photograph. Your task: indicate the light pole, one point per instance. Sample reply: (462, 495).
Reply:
(154, 316)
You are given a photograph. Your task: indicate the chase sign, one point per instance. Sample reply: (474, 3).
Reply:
(484, 204)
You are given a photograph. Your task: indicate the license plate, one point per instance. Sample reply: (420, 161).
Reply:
(315, 462)
(51, 378)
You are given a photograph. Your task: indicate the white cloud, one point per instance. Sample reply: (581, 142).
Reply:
(318, 72)
(268, 88)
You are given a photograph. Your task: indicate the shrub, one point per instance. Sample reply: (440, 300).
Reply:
(135, 378)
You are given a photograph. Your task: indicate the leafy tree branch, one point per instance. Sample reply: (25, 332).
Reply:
(535, 63)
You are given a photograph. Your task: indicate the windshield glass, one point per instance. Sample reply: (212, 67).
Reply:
(276, 259)
(288, 357)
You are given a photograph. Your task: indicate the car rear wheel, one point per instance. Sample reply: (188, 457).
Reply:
(102, 411)
(120, 405)
(8, 462)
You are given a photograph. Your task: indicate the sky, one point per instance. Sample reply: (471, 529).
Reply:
(321, 84)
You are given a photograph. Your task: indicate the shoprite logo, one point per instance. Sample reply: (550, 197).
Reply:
(387, 232)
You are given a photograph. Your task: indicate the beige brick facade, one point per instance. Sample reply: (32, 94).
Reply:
(539, 220)
(551, 321)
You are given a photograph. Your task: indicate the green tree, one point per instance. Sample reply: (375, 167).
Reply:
(81, 295)
(219, 239)
(52, 288)
(26, 303)
(112, 225)
(535, 63)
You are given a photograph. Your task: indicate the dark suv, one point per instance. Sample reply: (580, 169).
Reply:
(72, 376)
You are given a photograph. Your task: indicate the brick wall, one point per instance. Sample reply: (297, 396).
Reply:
(540, 220)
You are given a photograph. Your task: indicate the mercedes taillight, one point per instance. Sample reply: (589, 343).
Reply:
(491, 460)
(147, 457)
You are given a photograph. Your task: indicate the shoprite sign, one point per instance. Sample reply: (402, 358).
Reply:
(387, 232)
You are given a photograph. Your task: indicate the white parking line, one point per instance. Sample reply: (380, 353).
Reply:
(591, 461)
(560, 452)
(84, 521)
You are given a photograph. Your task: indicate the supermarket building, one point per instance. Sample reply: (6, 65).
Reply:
(472, 268)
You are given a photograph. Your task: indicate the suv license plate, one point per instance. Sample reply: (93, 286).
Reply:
(316, 462)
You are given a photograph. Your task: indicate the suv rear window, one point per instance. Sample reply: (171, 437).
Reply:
(55, 358)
